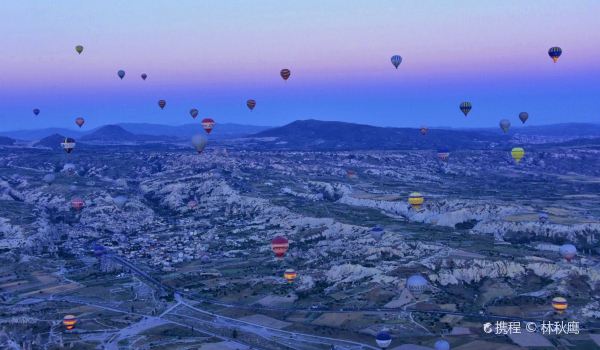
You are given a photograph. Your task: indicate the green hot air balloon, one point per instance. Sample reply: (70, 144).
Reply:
(79, 49)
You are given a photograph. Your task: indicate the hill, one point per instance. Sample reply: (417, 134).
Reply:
(329, 135)
(186, 131)
(38, 134)
(53, 141)
(6, 141)
(116, 134)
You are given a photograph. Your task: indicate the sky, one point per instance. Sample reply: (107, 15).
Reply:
(214, 55)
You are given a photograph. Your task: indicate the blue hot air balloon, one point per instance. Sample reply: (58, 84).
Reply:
(396, 60)
(465, 107)
(121, 74)
(36, 111)
(383, 339)
(555, 53)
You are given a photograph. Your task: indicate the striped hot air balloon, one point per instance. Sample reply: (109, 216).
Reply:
(162, 104)
(415, 199)
(208, 124)
(290, 275)
(396, 60)
(559, 304)
(443, 154)
(77, 203)
(79, 121)
(554, 53)
(69, 322)
(280, 246)
(68, 144)
(251, 104)
(285, 73)
(383, 339)
(466, 107)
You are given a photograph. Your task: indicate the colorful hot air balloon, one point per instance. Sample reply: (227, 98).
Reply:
(416, 284)
(36, 111)
(517, 153)
(415, 199)
(423, 130)
(77, 203)
(441, 345)
(144, 76)
(79, 121)
(120, 201)
(285, 73)
(68, 144)
(121, 74)
(567, 251)
(554, 53)
(383, 339)
(465, 107)
(208, 124)
(443, 154)
(194, 113)
(351, 174)
(251, 104)
(377, 232)
(162, 104)
(280, 246)
(559, 304)
(199, 142)
(79, 49)
(290, 275)
(396, 60)
(505, 125)
(49, 178)
(69, 322)
(523, 116)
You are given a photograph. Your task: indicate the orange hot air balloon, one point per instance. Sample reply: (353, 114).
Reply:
(208, 124)
(251, 104)
(80, 121)
(290, 275)
(69, 322)
(285, 73)
(559, 304)
(77, 203)
(280, 246)
(415, 199)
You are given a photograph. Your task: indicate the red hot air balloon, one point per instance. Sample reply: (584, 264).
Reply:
(162, 103)
(285, 73)
(77, 203)
(251, 104)
(208, 124)
(280, 246)
(79, 121)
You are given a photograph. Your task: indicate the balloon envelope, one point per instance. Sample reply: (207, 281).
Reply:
(49, 178)
(285, 73)
(290, 275)
(68, 144)
(79, 121)
(79, 49)
(396, 60)
(251, 104)
(416, 284)
(383, 339)
(441, 345)
(121, 74)
(504, 125)
(280, 246)
(144, 76)
(194, 113)
(517, 153)
(162, 103)
(554, 53)
(208, 124)
(560, 304)
(120, 201)
(415, 199)
(567, 251)
(199, 142)
(523, 116)
(466, 107)
(69, 322)
(36, 111)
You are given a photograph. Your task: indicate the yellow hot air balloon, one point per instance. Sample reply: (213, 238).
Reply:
(290, 275)
(559, 304)
(517, 153)
(415, 199)
(69, 322)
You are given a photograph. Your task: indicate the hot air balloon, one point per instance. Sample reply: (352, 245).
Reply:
(69, 169)
(377, 232)
(465, 107)
(424, 130)
(441, 345)
(208, 124)
(49, 179)
(205, 259)
(415, 199)
(251, 104)
(290, 275)
(567, 251)
(285, 73)
(505, 125)
(121, 73)
(77, 203)
(36, 111)
(543, 218)
(144, 76)
(517, 153)
(383, 339)
(523, 116)
(120, 201)
(199, 142)
(351, 174)
(416, 284)
(194, 113)
(69, 322)
(68, 144)
(192, 204)
(162, 103)
(79, 121)
(554, 53)
(559, 304)
(396, 60)
(443, 154)
(79, 49)
(280, 246)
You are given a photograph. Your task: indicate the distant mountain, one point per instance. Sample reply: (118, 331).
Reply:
(6, 141)
(116, 134)
(38, 134)
(327, 135)
(571, 130)
(186, 131)
(53, 141)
